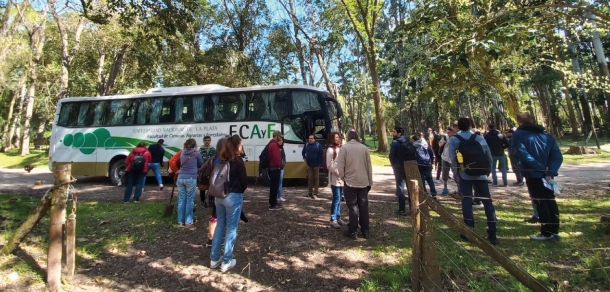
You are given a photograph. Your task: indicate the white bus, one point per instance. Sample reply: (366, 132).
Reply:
(96, 134)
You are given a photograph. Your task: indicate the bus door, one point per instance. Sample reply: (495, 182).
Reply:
(294, 128)
(316, 125)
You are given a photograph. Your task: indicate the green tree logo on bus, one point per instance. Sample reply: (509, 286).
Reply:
(87, 143)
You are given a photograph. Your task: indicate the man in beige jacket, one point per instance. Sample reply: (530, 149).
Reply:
(357, 175)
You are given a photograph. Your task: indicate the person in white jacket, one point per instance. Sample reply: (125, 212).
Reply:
(333, 145)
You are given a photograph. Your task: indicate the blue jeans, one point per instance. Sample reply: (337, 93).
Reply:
(228, 211)
(483, 193)
(186, 199)
(133, 179)
(279, 190)
(401, 181)
(156, 168)
(335, 207)
(426, 176)
(503, 168)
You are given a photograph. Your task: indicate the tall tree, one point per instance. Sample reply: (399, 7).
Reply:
(364, 16)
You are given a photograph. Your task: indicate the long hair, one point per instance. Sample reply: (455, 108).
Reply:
(230, 148)
(142, 144)
(330, 141)
(190, 143)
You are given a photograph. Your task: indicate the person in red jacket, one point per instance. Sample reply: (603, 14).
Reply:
(137, 167)
(275, 168)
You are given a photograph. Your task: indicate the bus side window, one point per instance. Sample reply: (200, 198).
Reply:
(144, 110)
(199, 108)
(183, 109)
(99, 118)
(68, 114)
(118, 113)
(161, 110)
(304, 101)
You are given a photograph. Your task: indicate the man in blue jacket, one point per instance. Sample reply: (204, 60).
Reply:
(313, 154)
(399, 169)
(539, 158)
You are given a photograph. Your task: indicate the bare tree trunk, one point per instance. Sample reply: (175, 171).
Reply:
(114, 71)
(601, 57)
(40, 134)
(7, 136)
(66, 53)
(101, 80)
(37, 40)
(571, 114)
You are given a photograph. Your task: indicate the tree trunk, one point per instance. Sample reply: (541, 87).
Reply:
(114, 71)
(6, 140)
(571, 114)
(66, 54)
(299, 45)
(101, 80)
(601, 57)
(37, 41)
(40, 134)
(14, 130)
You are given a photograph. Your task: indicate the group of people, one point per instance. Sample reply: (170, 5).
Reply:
(471, 156)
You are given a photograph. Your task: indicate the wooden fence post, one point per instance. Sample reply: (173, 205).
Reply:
(415, 229)
(427, 259)
(528, 280)
(58, 217)
(71, 240)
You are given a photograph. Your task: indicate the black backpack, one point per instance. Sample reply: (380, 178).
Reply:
(407, 151)
(474, 160)
(137, 164)
(423, 157)
(263, 159)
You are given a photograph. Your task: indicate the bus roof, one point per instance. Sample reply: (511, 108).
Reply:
(201, 89)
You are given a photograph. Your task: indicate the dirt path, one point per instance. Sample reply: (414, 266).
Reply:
(289, 250)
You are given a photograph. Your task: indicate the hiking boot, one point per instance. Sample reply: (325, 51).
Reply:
(350, 234)
(445, 192)
(215, 264)
(532, 219)
(275, 208)
(518, 183)
(493, 241)
(542, 237)
(227, 266)
(335, 224)
(365, 234)
(341, 222)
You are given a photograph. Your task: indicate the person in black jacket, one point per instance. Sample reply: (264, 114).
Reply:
(229, 209)
(157, 152)
(497, 143)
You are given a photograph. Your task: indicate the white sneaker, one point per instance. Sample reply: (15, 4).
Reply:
(215, 264)
(225, 267)
(281, 199)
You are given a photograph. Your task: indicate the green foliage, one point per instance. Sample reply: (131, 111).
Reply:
(13, 159)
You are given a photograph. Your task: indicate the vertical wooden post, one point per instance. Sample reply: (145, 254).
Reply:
(71, 241)
(58, 217)
(415, 228)
(429, 261)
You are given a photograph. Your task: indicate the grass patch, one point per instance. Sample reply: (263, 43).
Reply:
(604, 156)
(13, 159)
(101, 227)
(578, 259)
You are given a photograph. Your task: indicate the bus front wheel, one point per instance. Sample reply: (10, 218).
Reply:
(117, 170)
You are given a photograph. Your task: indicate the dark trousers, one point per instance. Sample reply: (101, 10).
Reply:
(426, 177)
(438, 163)
(274, 185)
(401, 188)
(544, 199)
(483, 192)
(134, 179)
(357, 201)
(516, 169)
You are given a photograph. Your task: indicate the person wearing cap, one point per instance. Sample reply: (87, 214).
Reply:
(275, 169)
(446, 161)
(313, 155)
